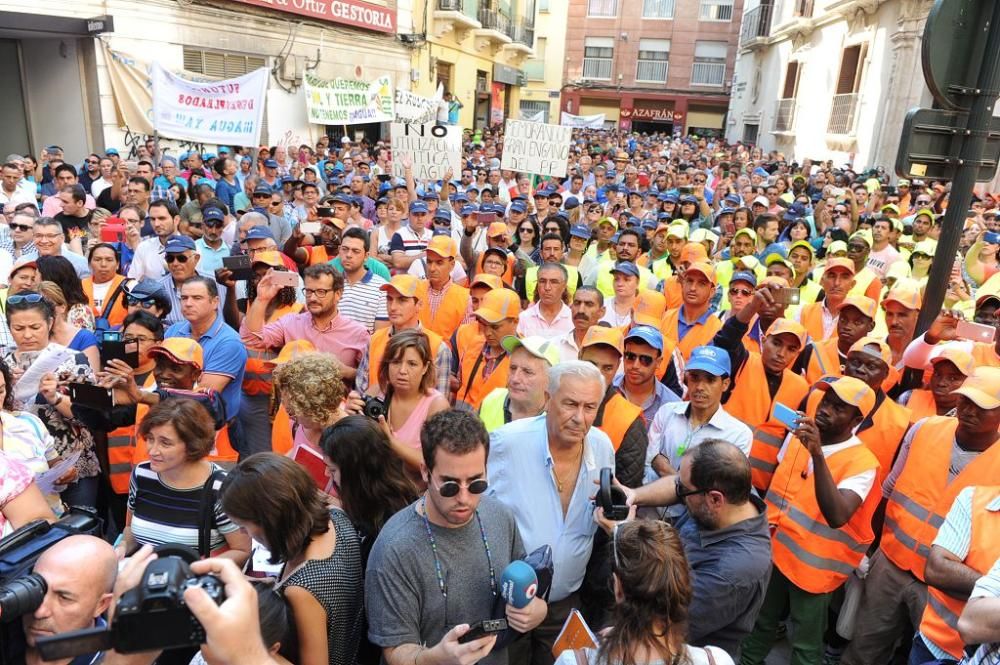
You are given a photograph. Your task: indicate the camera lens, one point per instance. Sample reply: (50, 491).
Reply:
(21, 596)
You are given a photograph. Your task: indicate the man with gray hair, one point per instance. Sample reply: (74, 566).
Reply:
(544, 470)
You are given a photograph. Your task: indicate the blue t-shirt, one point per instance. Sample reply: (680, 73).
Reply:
(226, 192)
(224, 354)
(83, 340)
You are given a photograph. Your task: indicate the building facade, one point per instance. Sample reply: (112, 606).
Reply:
(652, 65)
(544, 71)
(829, 79)
(59, 88)
(474, 49)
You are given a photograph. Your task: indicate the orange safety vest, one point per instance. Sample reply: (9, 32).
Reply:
(257, 377)
(473, 389)
(698, 335)
(618, 416)
(316, 254)
(750, 402)
(814, 556)
(940, 620)
(467, 334)
(672, 292)
(117, 312)
(376, 349)
(921, 405)
(121, 449)
(889, 424)
(922, 494)
(823, 361)
(867, 283)
(450, 312)
(508, 274)
(281, 432)
(811, 318)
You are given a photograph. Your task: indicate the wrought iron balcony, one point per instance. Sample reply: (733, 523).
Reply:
(756, 24)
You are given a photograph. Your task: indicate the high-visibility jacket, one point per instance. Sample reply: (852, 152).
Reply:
(921, 404)
(316, 254)
(889, 424)
(724, 272)
(508, 274)
(466, 334)
(750, 402)
(606, 280)
(281, 432)
(473, 389)
(449, 314)
(923, 494)
(114, 309)
(531, 281)
(121, 448)
(811, 318)
(816, 557)
(672, 292)
(867, 283)
(823, 361)
(940, 620)
(985, 355)
(257, 377)
(660, 267)
(376, 350)
(808, 293)
(699, 334)
(618, 416)
(491, 410)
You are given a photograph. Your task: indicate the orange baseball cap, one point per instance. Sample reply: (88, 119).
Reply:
(496, 229)
(840, 262)
(292, 351)
(404, 284)
(651, 304)
(693, 252)
(982, 387)
(884, 352)
(181, 350)
(863, 304)
(852, 391)
(788, 327)
(443, 246)
(703, 267)
(486, 279)
(905, 295)
(612, 337)
(961, 359)
(499, 304)
(270, 258)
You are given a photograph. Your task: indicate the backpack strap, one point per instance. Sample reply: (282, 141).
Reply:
(206, 513)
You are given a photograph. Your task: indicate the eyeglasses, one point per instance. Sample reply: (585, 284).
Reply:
(683, 492)
(740, 292)
(450, 488)
(644, 360)
(91, 161)
(21, 227)
(214, 223)
(319, 293)
(145, 303)
(32, 298)
(196, 225)
(180, 258)
(526, 230)
(130, 339)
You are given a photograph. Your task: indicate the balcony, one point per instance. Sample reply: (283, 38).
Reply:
(716, 10)
(523, 34)
(597, 69)
(651, 71)
(843, 114)
(708, 73)
(784, 115)
(495, 29)
(450, 15)
(756, 27)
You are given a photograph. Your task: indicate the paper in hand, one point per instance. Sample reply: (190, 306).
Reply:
(48, 361)
(48, 481)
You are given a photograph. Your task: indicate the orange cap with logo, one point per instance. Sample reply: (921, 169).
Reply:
(788, 327)
(443, 246)
(181, 350)
(884, 352)
(863, 304)
(406, 285)
(851, 391)
(499, 304)
(840, 263)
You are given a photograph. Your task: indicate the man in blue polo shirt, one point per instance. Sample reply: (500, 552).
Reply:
(225, 354)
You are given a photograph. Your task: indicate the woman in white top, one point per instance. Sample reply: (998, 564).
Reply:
(652, 585)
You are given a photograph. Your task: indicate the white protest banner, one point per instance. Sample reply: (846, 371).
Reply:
(432, 148)
(584, 121)
(415, 109)
(535, 147)
(348, 101)
(537, 116)
(226, 112)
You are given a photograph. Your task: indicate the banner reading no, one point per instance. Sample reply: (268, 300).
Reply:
(534, 147)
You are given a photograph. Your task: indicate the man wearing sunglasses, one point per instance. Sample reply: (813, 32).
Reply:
(182, 264)
(638, 383)
(147, 295)
(436, 565)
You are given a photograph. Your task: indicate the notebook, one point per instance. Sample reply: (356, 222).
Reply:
(575, 634)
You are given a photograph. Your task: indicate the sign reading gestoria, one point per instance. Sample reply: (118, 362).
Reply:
(349, 12)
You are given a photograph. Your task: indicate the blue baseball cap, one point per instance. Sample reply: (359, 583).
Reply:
(213, 214)
(441, 232)
(428, 195)
(795, 211)
(744, 276)
(689, 199)
(632, 220)
(580, 231)
(109, 151)
(208, 155)
(646, 334)
(709, 359)
(418, 206)
(342, 198)
(518, 206)
(443, 214)
(262, 188)
(671, 198)
(223, 150)
(725, 211)
(775, 248)
(259, 233)
(270, 164)
(733, 199)
(649, 224)
(571, 202)
(461, 197)
(468, 210)
(179, 244)
(626, 268)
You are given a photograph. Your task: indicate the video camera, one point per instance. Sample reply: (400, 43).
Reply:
(611, 498)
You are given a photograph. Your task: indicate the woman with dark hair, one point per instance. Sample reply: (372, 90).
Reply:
(526, 238)
(830, 236)
(558, 225)
(794, 232)
(652, 585)
(72, 337)
(276, 501)
(59, 270)
(742, 217)
(104, 286)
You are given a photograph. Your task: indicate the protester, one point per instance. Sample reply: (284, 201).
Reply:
(525, 394)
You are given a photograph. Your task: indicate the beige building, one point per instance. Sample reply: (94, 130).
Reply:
(544, 71)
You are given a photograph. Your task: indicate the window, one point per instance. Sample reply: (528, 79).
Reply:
(750, 134)
(709, 66)
(598, 58)
(653, 57)
(657, 8)
(602, 7)
(534, 68)
(845, 103)
(543, 5)
(716, 10)
(535, 111)
(219, 65)
(784, 114)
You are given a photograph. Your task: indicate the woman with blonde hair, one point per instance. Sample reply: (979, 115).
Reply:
(652, 586)
(394, 214)
(72, 337)
(312, 392)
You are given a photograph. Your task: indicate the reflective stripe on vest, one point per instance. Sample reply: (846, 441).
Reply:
(817, 527)
(257, 376)
(813, 560)
(120, 446)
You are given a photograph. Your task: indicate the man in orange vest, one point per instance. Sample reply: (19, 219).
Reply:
(820, 317)
(621, 420)
(693, 324)
(938, 458)
(819, 505)
(964, 550)
(748, 401)
(949, 370)
(482, 363)
(826, 357)
(443, 303)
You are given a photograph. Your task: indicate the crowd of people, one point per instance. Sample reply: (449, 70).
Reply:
(371, 394)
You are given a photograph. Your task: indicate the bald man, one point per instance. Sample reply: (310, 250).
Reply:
(77, 594)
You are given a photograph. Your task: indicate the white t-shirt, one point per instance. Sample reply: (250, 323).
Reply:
(696, 656)
(100, 292)
(861, 484)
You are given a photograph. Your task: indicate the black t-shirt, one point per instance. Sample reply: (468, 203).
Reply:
(82, 224)
(108, 202)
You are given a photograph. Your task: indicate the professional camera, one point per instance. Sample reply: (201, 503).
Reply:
(611, 498)
(150, 617)
(374, 407)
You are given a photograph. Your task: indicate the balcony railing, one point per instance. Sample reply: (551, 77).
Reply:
(653, 71)
(451, 5)
(843, 114)
(713, 10)
(597, 69)
(784, 115)
(708, 73)
(494, 20)
(756, 23)
(804, 8)
(524, 33)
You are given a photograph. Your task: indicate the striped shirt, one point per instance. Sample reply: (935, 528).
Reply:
(163, 514)
(364, 301)
(988, 586)
(408, 242)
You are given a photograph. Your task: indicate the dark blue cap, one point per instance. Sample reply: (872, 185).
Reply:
(518, 206)
(671, 198)
(212, 213)
(626, 268)
(744, 276)
(689, 199)
(580, 231)
(428, 195)
(441, 231)
(649, 224)
(571, 203)
(270, 164)
(418, 206)
(632, 220)
(262, 188)
(461, 197)
(259, 233)
(725, 211)
(342, 198)
(732, 198)
(179, 244)
(468, 210)
(443, 214)
(541, 193)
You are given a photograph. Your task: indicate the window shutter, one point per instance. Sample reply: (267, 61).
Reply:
(848, 70)
(791, 80)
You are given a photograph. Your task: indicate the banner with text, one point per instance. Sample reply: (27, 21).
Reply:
(535, 147)
(224, 112)
(433, 149)
(584, 121)
(349, 101)
(415, 109)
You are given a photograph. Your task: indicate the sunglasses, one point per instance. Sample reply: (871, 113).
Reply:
(683, 492)
(451, 488)
(740, 292)
(32, 298)
(214, 223)
(644, 360)
(21, 227)
(180, 258)
(145, 303)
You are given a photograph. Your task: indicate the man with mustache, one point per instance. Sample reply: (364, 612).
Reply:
(587, 309)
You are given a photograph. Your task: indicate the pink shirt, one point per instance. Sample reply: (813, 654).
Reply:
(52, 206)
(531, 322)
(409, 433)
(342, 337)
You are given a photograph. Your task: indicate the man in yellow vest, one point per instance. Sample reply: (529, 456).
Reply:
(524, 396)
(938, 458)
(866, 281)
(443, 303)
(819, 505)
(627, 251)
(551, 250)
